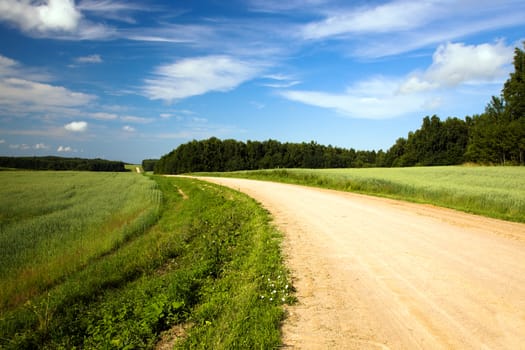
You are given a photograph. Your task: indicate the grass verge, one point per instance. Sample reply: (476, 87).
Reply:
(497, 192)
(212, 263)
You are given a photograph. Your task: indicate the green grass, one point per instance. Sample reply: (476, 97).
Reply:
(497, 192)
(54, 223)
(211, 263)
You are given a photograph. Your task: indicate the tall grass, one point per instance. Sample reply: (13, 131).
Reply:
(497, 192)
(54, 223)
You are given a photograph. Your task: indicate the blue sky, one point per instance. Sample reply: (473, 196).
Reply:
(129, 80)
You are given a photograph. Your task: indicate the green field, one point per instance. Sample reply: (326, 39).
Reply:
(111, 260)
(497, 192)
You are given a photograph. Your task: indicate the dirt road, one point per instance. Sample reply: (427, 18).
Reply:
(373, 273)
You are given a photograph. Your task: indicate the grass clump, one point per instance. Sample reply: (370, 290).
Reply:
(205, 264)
(497, 192)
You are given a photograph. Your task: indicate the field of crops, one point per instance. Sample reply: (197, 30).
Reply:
(111, 260)
(54, 223)
(491, 191)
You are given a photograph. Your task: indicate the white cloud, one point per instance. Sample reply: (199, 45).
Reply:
(103, 116)
(112, 9)
(456, 63)
(16, 91)
(134, 119)
(394, 27)
(89, 59)
(65, 149)
(376, 98)
(22, 91)
(197, 76)
(128, 128)
(7, 66)
(21, 147)
(41, 146)
(2, 141)
(384, 18)
(76, 126)
(42, 16)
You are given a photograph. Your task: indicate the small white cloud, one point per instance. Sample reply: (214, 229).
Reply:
(134, 119)
(2, 141)
(21, 147)
(197, 76)
(51, 15)
(41, 146)
(166, 115)
(283, 81)
(65, 149)
(76, 126)
(89, 59)
(128, 128)
(103, 116)
(282, 85)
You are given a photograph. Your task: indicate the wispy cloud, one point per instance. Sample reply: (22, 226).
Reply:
(103, 116)
(89, 59)
(128, 128)
(399, 26)
(24, 91)
(19, 92)
(383, 18)
(199, 75)
(376, 98)
(135, 119)
(66, 149)
(278, 6)
(114, 10)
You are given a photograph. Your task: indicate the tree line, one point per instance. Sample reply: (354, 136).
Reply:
(496, 136)
(231, 155)
(60, 163)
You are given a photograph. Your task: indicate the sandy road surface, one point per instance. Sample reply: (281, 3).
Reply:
(372, 273)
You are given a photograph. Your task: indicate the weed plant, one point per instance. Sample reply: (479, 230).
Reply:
(212, 263)
(497, 192)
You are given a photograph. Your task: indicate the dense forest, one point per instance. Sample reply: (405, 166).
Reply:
(496, 137)
(60, 163)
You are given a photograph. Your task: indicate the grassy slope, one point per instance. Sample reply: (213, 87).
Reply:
(211, 262)
(497, 192)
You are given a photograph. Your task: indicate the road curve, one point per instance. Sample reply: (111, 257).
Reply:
(374, 273)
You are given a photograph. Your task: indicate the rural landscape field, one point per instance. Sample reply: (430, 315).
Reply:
(127, 260)
(262, 174)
